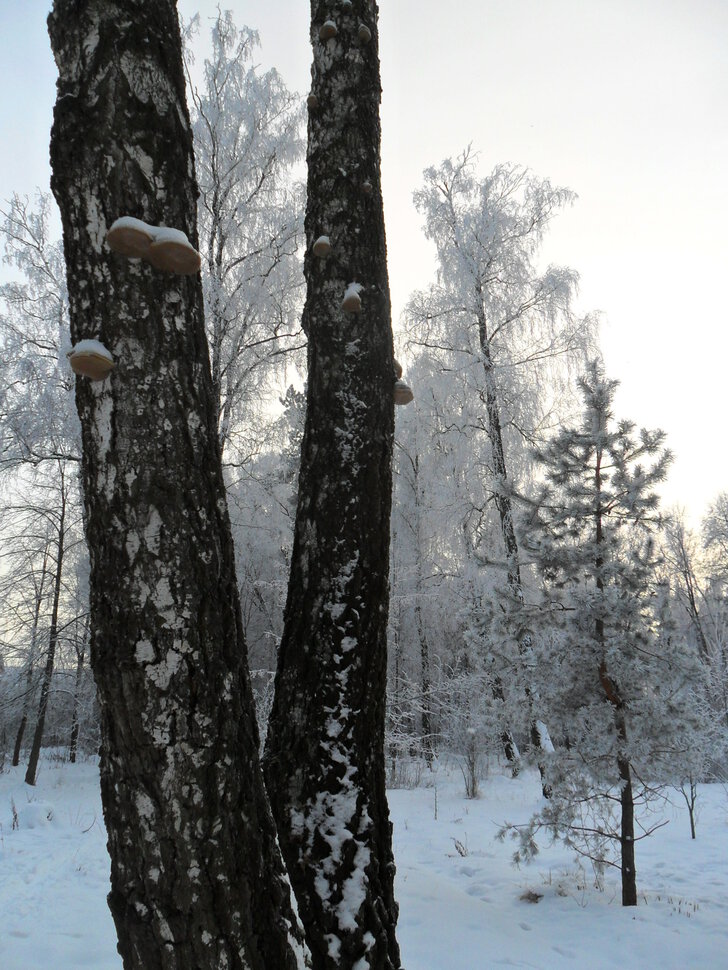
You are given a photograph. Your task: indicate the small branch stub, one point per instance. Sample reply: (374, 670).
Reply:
(89, 358)
(366, 187)
(402, 393)
(322, 246)
(312, 101)
(352, 301)
(364, 34)
(328, 30)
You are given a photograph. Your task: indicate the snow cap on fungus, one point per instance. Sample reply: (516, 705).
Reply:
(352, 301)
(89, 358)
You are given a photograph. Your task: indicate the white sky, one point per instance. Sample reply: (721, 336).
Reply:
(624, 101)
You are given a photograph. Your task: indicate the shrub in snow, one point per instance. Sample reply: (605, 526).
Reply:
(91, 359)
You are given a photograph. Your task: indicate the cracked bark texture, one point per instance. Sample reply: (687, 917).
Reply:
(324, 759)
(197, 881)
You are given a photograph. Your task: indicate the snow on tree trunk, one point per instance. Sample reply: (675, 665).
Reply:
(197, 880)
(325, 748)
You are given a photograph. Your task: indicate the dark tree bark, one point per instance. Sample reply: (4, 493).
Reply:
(325, 748)
(45, 687)
(197, 882)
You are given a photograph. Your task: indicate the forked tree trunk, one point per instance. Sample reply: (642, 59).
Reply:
(197, 882)
(325, 748)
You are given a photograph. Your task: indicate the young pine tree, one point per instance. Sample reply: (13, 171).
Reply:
(617, 691)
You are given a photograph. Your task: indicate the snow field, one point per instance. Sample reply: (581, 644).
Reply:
(459, 895)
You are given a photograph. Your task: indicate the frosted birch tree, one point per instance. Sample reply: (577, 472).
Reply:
(247, 134)
(324, 755)
(502, 328)
(197, 881)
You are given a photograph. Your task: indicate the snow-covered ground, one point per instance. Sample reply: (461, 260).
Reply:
(460, 898)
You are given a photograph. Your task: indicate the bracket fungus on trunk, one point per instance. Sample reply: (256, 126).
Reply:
(172, 252)
(364, 34)
(89, 358)
(402, 392)
(328, 30)
(352, 301)
(165, 248)
(322, 246)
(312, 101)
(130, 237)
(397, 368)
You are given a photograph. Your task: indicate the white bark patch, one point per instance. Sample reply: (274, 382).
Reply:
(144, 652)
(153, 531)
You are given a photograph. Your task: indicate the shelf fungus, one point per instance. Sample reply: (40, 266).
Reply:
(312, 101)
(165, 248)
(130, 237)
(89, 358)
(328, 30)
(402, 392)
(366, 187)
(172, 252)
(352, 301)
(322, 246)
(397, 368)
(364, 34)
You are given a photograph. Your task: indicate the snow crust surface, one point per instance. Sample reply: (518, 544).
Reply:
(460, 898)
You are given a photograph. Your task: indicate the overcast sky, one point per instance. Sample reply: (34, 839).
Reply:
(624, 101)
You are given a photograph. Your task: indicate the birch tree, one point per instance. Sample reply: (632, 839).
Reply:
(502, 328)
(247, 133)
(196, 877)
(324, 755)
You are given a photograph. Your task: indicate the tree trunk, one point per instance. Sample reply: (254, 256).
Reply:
(27, 699)
(197, 882)
(75, 719)
(24, 718)
(45, 687)
(505, 513)
(626, 797)
(428, 747)
(325, 749)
